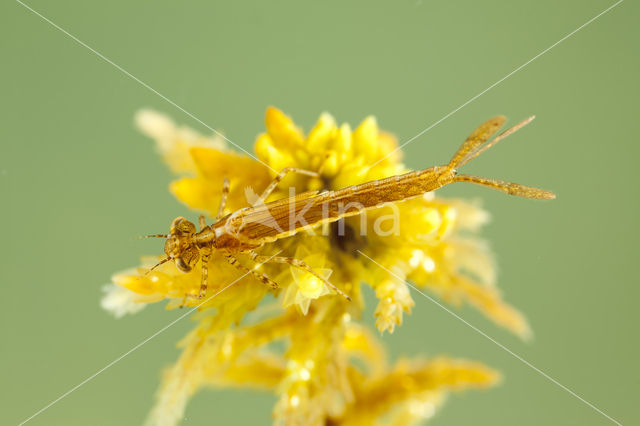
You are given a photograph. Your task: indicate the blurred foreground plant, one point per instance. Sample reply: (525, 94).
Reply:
(331, 369)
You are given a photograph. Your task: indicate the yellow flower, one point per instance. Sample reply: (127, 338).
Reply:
(428, 241)
(306, 287)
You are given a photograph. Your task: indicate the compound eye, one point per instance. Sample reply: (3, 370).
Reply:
(182, 265)
(180, 225)
(188, 259)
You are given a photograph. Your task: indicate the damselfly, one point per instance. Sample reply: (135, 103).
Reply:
(247, 229)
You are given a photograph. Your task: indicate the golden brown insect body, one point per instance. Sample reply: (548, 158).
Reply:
(250, 228)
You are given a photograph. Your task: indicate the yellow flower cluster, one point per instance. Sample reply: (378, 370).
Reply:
(332, 370)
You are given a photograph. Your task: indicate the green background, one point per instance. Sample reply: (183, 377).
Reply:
(78, 182)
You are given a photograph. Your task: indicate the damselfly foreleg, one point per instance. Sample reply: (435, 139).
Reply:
(223, 198)
(205, 254)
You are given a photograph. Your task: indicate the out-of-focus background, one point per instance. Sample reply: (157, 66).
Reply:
(78, 182)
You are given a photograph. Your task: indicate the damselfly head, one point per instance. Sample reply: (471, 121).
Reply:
(180, 245)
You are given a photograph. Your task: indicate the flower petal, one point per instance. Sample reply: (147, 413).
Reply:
(282, 129)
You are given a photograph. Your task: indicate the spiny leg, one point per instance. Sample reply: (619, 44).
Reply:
(223, 198)
(281, 176)
(299, 264)
(258, 275)
(205, 254)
